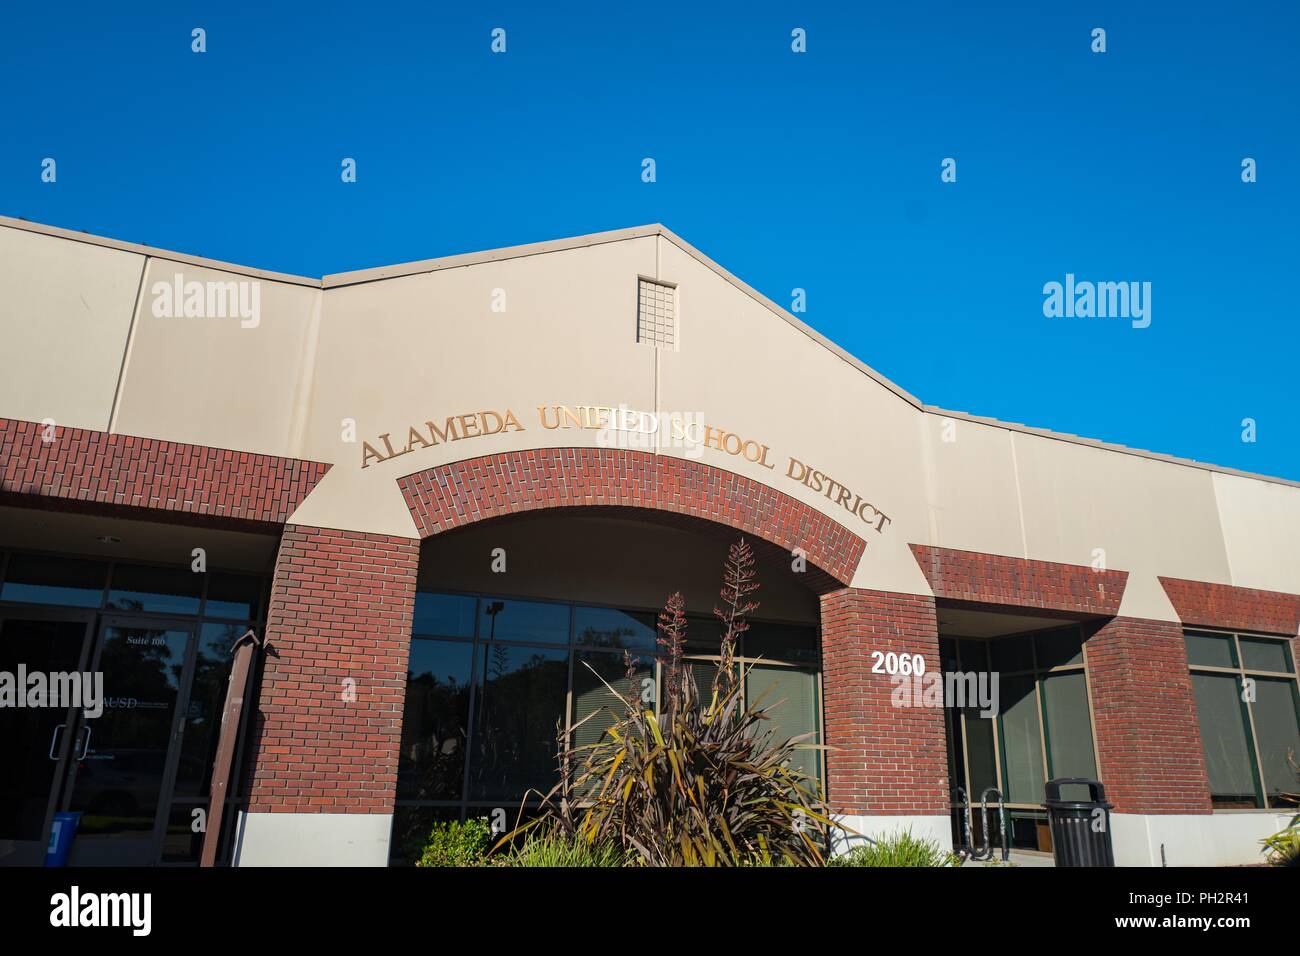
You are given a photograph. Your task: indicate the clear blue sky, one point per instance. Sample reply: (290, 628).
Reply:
(819, 171)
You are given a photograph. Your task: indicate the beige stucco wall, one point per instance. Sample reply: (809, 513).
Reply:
(971, 478)
(1260, 522)
(407, 350)
(65, 310)
(212, 380)
(330, 366)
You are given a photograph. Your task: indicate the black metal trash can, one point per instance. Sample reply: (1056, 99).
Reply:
(1080, 828)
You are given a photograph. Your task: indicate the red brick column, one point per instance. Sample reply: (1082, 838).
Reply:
(887, 760)
(341, 607)
(1148, 737)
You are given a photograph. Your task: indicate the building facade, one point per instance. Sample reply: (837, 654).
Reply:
(450, 494)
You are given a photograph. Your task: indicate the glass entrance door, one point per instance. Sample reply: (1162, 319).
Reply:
(121, 781)
(35, 743)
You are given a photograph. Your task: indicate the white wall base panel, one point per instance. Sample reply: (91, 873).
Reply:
(312, 839)
(937, 828)
(1193, 839)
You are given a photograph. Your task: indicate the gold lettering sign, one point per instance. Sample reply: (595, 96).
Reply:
(453, 428)
(673, 431)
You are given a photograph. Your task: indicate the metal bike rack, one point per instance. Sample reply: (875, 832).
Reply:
(962, 804)
(1002, 824)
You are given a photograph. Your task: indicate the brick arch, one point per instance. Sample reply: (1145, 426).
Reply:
(660, 487)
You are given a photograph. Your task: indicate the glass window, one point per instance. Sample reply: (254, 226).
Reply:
(1210, 650)
(1258, 654)
(974, 655)
(203, 713)
(781, 642)
(608, 628)
(183, 836)
(443, 615)
(37, 579)
(1249, 721)
(164, 590)
(1226, 740)
(1022, 745)
(1275, 708)
(535, 621)
(435, 724)
(1028, 830)
(516, 716)
(981, 747)
(482, 713)
(1013, 653)
(1069, 729)
(704, 671)
(948, 654)
(1056, 648)
(120, 779)
(956, 747)
(1043, 727)
(596, 707)
(790, 696)
(704, 635)
(232, 595)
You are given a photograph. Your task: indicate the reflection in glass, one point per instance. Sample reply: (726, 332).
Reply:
(1226, 740)
(781, 642)
(183, 835)
(119, 779)
(232, 595)
(496, 727)
(411, 826)
(37, 579)
(27, 733)
(444, 615)
(609, 628)
(436, 721)
(518, 710)
(1021, 741)
(533, 621)
(981, 752)
(1069, 730)
(203, 714)
(1275, 710)
(162, 590)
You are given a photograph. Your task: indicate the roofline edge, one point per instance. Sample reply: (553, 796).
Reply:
(360, 276)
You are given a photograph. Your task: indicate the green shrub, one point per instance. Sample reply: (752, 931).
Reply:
(554, 850)
(457, 844)
(898, 849)
(1283, 847)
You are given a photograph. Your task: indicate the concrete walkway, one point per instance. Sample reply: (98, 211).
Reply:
(1017, 859)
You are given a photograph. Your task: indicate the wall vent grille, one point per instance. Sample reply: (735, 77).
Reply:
(656, 313)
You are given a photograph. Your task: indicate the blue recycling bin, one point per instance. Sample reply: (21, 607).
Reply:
(61, 834)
